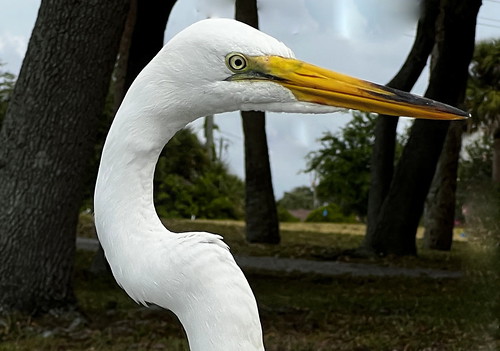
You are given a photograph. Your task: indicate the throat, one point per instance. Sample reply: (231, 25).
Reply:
(123, 200)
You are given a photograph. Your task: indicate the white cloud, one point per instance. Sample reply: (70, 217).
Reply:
(17, 19)
(12, 50)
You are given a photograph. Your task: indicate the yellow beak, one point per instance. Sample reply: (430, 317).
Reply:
(310, 83)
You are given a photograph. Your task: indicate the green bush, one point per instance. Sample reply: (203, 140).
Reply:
(330, 213)
(301, 197)
(482, 214)
(215, 194)
(285, 216)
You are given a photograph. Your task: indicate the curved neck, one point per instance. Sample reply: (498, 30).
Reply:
(143, 124)
(125, 177)
(128, 226)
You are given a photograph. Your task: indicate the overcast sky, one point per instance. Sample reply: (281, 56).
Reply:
(368, 39)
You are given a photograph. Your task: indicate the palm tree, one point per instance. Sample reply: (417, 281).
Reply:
(483, 96)
(261, 216)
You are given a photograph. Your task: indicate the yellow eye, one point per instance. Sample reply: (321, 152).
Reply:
(236, 62)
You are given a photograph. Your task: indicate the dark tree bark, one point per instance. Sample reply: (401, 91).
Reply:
(382, 162)
(261, 216)
(260, 206)
(141, 40)
(440, 208)
(148, 35)
(120, 72)
(401, 211)
(46, 142)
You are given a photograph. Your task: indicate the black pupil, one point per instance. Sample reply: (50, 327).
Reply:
(238, 62)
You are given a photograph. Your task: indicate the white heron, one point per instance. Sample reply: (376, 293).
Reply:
(213, 66)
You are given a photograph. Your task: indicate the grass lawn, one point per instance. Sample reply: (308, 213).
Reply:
(298, 312)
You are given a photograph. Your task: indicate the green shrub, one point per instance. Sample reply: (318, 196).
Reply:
(482, 214)
(330, 213)
(285, 216)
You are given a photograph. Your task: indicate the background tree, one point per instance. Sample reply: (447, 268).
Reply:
(188, 184)
(141, 39)
(478, 198)
(483, 96)
(383, 154)
(343, 165)
(261, 215)
(7, 81)
(400, 212)
(474, 171)
(483, 101)
(440, 204)
(301, 197)
(46, 140)
(148, 35)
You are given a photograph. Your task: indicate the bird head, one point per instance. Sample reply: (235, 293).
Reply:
(226, 65)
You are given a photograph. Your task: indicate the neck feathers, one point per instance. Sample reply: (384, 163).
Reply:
(192, 274)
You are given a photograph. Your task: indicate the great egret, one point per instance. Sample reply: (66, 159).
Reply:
(213, 66)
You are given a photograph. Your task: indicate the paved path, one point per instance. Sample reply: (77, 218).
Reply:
(327, 268)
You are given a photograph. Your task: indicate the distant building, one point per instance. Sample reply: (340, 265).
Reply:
(300, 214)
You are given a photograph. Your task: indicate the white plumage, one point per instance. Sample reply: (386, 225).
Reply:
(192, 274)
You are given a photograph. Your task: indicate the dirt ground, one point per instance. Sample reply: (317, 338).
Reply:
(326, 268)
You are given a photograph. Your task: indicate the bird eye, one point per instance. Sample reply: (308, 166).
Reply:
(236, 62)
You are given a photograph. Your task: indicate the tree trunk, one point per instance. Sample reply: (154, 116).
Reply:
(148, 35)
(46, 142)
(382, 161)
(261, 216)
(260, 206)
(120, 72)
(209, 137)
(400, 213)
(440, 207)
(141, 40)
(99, 265)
